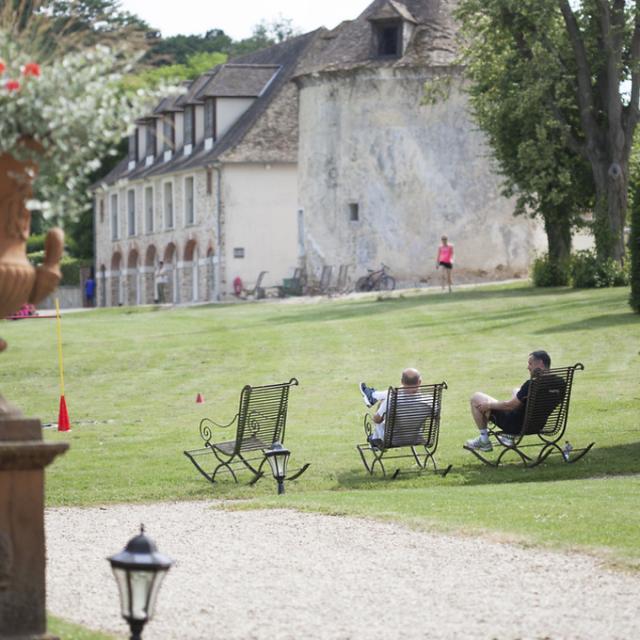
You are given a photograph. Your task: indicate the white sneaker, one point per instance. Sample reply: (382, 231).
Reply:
(478, 444)
(506, 439)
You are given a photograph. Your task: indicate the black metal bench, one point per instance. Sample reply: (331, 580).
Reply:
(412, 422)
(545, 420)
(260, 422)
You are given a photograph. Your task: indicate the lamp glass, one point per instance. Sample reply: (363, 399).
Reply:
(278, 459)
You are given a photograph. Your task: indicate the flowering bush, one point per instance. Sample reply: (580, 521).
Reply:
(73, 107)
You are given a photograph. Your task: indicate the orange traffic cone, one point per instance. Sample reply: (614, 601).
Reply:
(63, 416)
(199, 399)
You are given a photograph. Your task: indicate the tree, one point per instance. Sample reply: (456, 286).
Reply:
(546, 177)
(634, 245)
(580, 54)
(265, 34)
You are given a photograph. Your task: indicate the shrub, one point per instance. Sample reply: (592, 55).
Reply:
(35, 243)
(587, 272)
(549, 274)
(70, 268)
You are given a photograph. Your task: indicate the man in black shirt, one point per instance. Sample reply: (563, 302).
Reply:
(508, 415)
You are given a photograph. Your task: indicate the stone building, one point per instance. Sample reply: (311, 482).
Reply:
(318, 151)
(209, 186)
(381, 175)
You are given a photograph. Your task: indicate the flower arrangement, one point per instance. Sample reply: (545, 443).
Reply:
(71, 108)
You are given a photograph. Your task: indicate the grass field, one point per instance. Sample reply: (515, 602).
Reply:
(132, 376)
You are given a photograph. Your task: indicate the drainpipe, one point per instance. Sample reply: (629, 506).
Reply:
(218, 267)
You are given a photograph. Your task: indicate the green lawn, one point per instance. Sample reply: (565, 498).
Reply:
(132, 376)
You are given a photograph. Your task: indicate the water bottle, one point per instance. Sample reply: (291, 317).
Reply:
(566, 450)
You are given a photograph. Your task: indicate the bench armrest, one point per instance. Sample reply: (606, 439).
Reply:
(207, 425)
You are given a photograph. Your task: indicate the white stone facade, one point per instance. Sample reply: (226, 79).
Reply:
(382, 177)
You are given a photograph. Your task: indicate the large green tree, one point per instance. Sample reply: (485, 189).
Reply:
(584, 60)
(547, 179)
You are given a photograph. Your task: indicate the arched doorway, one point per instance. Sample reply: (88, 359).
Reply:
(133, 277)
(117, 293)
(190, 270)
(149, 286)
(171, 267)
(102, 290)
(211, 274)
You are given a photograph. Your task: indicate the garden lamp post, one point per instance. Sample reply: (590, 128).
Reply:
(139, 570)
(278, 458)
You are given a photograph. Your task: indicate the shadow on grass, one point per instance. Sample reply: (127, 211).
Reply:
(594, 322)
(601, 461)
(397, 301)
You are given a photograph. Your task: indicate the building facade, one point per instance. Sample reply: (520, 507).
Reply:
(318, 151)
(382, 174)
(209, 187)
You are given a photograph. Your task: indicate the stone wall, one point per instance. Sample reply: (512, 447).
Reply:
(382, 177)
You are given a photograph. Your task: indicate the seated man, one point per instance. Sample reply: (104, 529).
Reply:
(508, 415)
(410, 383)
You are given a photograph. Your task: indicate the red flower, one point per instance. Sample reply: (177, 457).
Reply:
(31, 69)
(12, 85)
(3, 66)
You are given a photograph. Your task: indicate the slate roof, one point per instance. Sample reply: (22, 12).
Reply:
(349, 45)
(239, 80)
(263, 75)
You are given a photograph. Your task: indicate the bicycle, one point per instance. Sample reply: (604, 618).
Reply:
(378, 280)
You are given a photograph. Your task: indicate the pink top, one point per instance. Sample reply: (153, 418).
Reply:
(445, 253)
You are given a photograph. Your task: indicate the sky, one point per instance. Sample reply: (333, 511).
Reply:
(238, 17)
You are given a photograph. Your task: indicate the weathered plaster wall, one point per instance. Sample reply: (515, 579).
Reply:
(415, 171)
(259, 202)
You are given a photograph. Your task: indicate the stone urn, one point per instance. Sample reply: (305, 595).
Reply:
(23, 453)
(20, 281)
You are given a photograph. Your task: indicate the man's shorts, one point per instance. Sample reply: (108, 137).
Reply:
(446, 265)
(508, 421)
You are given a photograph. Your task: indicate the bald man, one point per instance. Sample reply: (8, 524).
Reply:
(410, 380)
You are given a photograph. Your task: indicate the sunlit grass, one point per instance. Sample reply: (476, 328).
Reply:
(132, 377)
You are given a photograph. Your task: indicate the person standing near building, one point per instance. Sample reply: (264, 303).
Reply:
(445, 260)
(161, 283)
(89, 291)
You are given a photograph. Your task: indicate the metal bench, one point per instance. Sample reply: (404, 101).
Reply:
(260, 422)
(545, 421)
(412, 426)
(257, 291)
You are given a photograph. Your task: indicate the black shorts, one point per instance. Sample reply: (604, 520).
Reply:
(509, 421)
(446, 265)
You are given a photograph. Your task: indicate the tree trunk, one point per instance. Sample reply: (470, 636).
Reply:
(558, 232)
(611, 180)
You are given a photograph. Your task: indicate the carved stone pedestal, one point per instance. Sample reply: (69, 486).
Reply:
(23, 457)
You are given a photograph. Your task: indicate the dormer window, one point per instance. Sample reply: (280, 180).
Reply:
(189, 125)
(169, 132)
(151, 139)
(210, 124)
(389, 38)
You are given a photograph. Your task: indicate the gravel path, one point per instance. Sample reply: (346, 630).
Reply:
(277, 575)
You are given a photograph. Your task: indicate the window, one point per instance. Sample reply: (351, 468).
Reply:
(114, 216)
(189, 124)
(169, 132)
(238, 252)
(101, 207)
(210, 118)
(151, 138)
(148, 209)
(133, 146)
(354, 212)
(189, 205)
(131, 212)
(389, 39)
(168, 205)
(209, 182)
